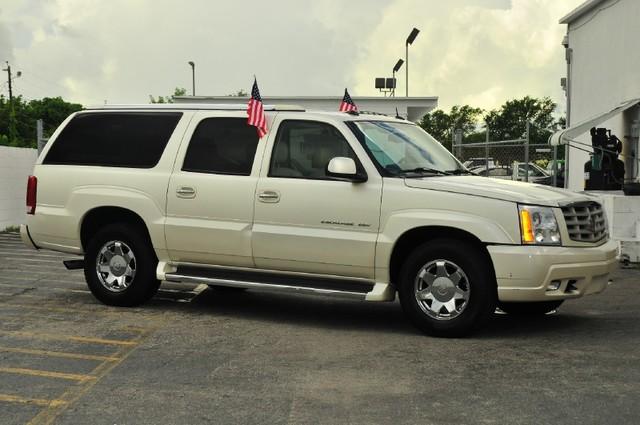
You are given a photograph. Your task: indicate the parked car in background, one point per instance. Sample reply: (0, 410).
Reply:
(561, 168)
(518, 171)
(478, 162)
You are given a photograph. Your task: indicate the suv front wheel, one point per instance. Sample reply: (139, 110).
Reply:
(446, 288)
(120, 266)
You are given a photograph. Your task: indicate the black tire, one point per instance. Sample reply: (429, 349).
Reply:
(143, 285)
(530, 309)
(482, 296)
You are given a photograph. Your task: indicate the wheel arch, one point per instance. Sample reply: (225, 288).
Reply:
(98, 217)
(416, 236)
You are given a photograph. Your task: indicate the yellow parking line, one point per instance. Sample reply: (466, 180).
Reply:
(46, 374)
(58, 354)
(89, 340)
(8, 398)
(49, 414)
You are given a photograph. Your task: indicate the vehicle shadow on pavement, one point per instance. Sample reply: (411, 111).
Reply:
(347, 315)
(300, 310)
(558, 324)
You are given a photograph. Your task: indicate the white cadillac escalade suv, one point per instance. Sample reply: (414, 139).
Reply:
(344, 204)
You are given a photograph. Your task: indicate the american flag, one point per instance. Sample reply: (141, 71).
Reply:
(255, 110)
(347, 104)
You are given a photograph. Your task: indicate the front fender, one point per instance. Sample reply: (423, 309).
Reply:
(504, 229)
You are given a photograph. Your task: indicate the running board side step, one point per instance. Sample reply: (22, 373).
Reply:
(73, 264)
(272, 282)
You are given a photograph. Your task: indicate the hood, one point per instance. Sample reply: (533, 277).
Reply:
(505, 190)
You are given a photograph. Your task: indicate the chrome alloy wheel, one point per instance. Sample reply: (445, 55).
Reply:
(442, 289)
(116, 266)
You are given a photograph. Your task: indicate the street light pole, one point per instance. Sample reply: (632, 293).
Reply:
(410, 39)
(406, 69)
(193, 78)
(396, 68)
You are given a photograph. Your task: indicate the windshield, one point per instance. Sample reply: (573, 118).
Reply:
(404, 148)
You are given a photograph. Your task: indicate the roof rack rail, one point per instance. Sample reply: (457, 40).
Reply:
(372, 113)
(198, 106)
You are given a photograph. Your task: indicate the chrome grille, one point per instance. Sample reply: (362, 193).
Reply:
(585, 222)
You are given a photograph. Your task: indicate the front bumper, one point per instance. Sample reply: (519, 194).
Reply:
(524, 273)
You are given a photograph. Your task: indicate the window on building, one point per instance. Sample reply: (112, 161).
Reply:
(222, 146)
(114, 139)
(303, 149)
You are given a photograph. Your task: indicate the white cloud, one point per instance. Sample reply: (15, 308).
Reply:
(482, 51)
(478, 52)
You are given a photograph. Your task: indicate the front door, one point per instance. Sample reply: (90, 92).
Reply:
(304, 219)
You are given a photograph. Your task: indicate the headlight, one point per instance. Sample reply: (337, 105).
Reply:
(538, 226)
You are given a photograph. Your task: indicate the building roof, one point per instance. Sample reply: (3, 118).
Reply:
(585, 7)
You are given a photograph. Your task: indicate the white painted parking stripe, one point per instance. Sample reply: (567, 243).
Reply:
(35, 260)
(41, 281)
(47, 288)
(17, 252)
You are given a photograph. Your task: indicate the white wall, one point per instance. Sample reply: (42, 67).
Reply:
(16, 164)
(605, 70)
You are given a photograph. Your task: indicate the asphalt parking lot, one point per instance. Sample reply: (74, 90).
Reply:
(194, 355)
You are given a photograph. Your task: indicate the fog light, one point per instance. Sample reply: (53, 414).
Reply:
(554, 285)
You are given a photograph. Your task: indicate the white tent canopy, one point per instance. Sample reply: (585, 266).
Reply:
(563, 137)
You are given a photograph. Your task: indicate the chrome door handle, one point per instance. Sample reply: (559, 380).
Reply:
(186, 192)
(269, 196)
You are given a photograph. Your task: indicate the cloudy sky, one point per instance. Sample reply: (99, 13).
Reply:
(478, 52)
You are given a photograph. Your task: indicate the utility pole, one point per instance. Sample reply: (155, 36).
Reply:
(8, 69)
(12, 115)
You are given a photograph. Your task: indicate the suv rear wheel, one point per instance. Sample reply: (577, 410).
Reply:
(446, 288)
(120, 266)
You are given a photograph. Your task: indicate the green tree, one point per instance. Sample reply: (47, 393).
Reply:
(18, 120)
(178, 91)
(509, 121)
(441, 124)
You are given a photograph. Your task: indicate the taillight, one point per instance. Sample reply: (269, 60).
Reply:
(32, 190)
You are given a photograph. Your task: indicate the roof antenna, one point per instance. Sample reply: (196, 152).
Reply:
(397, 114)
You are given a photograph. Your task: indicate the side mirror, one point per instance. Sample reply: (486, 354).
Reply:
(343, 168)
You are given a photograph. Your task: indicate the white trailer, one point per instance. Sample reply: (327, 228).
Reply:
(603, 90)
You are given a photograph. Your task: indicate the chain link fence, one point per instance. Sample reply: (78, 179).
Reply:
(515, 159)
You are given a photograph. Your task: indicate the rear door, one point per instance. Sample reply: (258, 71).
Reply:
(211, 191)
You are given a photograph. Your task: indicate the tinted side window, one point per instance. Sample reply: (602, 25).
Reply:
(303, 149)
(114, 139)
(222, 146)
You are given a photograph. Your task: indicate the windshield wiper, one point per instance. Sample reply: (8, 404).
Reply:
(458, 172)
(424, 170)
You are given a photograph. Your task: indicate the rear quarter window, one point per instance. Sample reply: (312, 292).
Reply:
(121, 139)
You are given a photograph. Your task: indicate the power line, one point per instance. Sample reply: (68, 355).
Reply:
(45, 80)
